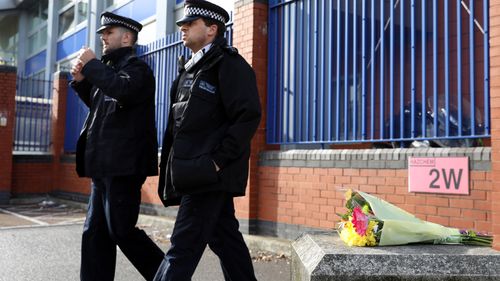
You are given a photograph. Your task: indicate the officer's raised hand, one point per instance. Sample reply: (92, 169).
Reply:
(76, 72)
(85, 55)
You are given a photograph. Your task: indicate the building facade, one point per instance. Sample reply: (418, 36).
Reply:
(335, 78)
(52, 31)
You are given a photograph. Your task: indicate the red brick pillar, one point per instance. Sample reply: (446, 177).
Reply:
(250, 37)
(59, 94)
(495, 118)
(7, 118)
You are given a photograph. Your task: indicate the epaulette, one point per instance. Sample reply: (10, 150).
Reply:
(230, 50)
(132, 58)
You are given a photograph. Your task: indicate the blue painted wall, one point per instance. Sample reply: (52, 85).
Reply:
(138, 10)
(71, 44)
(35, 63)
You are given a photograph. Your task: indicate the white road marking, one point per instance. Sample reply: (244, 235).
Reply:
(82, 219)
(39, 222)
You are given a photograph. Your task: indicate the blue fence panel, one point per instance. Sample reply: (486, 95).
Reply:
(76, 112)
(346, 71)
(162, 56)
(32, 132)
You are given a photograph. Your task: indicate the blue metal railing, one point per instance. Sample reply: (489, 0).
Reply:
(76, 113)
(32, 132)
(346, 71)
(162, 56)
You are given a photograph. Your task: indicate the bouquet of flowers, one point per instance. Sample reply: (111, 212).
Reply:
(371, 221)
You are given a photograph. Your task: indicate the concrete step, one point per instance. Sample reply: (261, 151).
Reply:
(322, 256)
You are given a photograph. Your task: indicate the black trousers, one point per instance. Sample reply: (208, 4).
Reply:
(202, 219)
(111, 218)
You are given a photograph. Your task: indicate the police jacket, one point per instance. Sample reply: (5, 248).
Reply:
(214, 113)
(119, 135)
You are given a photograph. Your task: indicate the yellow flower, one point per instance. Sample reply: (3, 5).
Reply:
(349, 235)
(348, 194)
(366, 209)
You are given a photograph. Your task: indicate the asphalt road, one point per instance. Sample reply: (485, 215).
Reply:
(45, 249)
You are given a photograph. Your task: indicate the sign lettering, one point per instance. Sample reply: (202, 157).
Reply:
(438, 175)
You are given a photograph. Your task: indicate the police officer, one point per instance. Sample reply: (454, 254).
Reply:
(214, 113)
(117, 149)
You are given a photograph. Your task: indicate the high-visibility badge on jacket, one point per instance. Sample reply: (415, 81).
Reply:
(204, 85)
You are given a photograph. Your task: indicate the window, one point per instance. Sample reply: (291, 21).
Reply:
(37, 41)
(109, 3)
(147, 34)
(83, 7)
(64, 3)
(71, 14)
(9, 39)
(37, 27)
(38, 15)
(66, 21)
(66, 64)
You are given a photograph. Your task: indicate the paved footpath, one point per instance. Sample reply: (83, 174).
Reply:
(43, 243)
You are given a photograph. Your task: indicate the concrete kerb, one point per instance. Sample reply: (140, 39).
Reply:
(322, 256)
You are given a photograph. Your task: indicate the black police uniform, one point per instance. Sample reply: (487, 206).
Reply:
(214, 114)
(118, 150)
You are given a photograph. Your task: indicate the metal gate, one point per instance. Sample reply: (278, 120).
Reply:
(346, 71)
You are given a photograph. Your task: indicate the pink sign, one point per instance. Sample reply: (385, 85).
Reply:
(439, 175)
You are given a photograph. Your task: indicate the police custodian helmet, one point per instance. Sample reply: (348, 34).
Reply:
(109, 19)
(195, 9)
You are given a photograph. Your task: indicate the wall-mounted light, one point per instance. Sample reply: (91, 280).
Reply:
(3, 119)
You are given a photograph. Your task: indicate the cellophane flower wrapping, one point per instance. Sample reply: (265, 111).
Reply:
(371, 221)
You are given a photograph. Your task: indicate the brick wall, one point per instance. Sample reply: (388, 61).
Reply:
(250, 37)
(65, 179)
(32, 174)
(58, 122)
(7, 110)
(306, 188)
(68, 180)
(495, 117)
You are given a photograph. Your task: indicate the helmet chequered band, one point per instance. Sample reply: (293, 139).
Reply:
(108, 21)
(195, 11)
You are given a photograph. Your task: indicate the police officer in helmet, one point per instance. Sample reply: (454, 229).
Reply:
(214, 114)
(117, 149)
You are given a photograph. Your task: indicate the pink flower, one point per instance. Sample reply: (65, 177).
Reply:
(359, 220)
